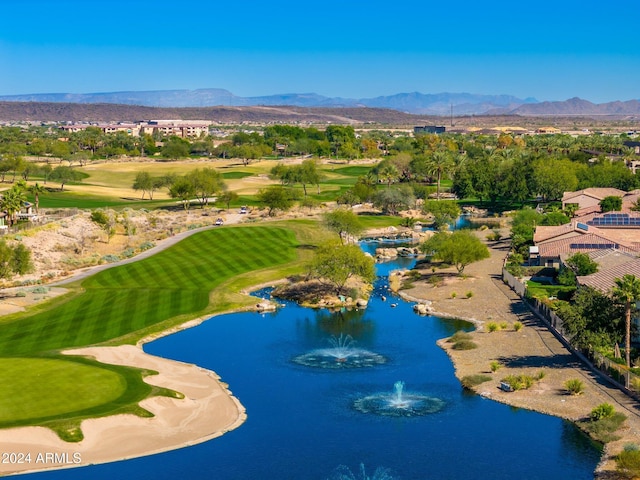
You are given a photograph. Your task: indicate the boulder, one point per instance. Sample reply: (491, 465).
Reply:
(422, 308)
(265, 307)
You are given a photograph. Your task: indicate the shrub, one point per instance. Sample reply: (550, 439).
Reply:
(469, 294)
(628, 463)
(493, 327)
(504, 325)
(574, 386)
(517, 326)
(40, 289)
(21, 294)
(110, 258)
(604, 410)
(464, 345)
(495, 366)
(518, 382)
(602, 430)
(541, 374)
(146, 246)
(454, 294)
(460, 335)
(128, 253)
(470, 381)
(494, 236)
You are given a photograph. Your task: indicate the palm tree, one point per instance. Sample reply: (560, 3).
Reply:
(12, 202)
(37, 190)
(388, 173)
(440, 163)
(627, 291)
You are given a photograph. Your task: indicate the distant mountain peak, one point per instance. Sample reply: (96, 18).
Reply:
(413, 102)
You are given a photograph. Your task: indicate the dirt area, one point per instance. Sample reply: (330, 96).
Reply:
(528, 351)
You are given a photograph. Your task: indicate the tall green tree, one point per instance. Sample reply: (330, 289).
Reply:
(444, 212)
(344, 222)
(14, 260)
(459, 248)
(206, 183)
(12, 202)
(227, 197)
(175, 148)
(36, 190)
(183, 189)
(627, 291)
(276, 198)
(440, 163)
(337, 263)
(611, 203)
(63, 175)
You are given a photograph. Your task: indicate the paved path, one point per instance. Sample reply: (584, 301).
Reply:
(595, 378)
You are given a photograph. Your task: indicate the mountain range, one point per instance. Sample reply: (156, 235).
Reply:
(442, 104)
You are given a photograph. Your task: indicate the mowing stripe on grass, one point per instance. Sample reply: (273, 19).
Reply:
(124, 299)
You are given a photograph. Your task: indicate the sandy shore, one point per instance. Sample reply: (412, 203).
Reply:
(207, 411)
(531, 350)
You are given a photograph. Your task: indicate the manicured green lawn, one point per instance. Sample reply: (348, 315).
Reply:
(134, 297)
(122, 304)
(541, 290)
(61, 387)
(65, 199)
(235, 175)
(59, 393)
(379, 221)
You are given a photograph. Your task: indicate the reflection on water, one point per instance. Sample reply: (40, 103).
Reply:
(302, 421)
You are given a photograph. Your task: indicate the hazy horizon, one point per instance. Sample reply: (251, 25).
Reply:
(336, 49)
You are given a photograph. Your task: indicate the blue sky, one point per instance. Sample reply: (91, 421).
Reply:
(356, 49)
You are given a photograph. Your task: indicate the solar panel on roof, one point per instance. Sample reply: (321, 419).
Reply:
(582, 226)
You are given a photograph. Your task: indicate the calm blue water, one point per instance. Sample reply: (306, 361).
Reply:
(301, 421)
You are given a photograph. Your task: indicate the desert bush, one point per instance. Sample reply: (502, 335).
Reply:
(414, 274)
(494, 236)
(21, 293)
(604, 410)
(504, 325)
(574, 386)
(495, 366)
(541, 374)
(469, 381)
(41, 289)
(110, 258)
(128, 253)
(603, 430)
(517, 326)
(464, 345)
(454, 294)
(493, 327)
(518, 382)
(469, 294)
(460, 335)
(628, 463)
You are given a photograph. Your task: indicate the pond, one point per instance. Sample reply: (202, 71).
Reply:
(318, 421)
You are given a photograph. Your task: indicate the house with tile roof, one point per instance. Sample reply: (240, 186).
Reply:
(604, 280)
(590, 197)
(556, 242)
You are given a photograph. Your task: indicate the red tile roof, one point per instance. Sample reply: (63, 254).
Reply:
(605, 279)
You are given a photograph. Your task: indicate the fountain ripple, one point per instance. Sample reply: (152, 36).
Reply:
(399, 403)
(342, 354)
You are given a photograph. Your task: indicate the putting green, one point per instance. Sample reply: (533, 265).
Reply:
(46, 388)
